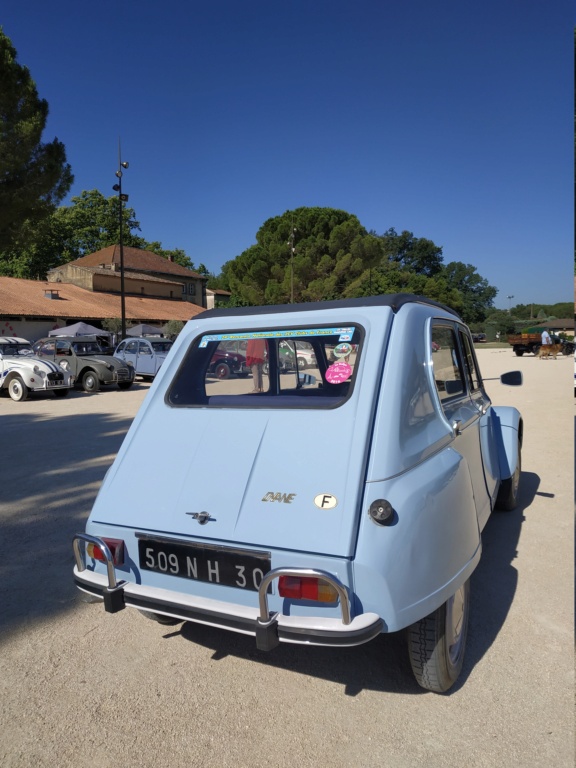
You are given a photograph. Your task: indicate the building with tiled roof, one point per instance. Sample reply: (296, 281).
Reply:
(145, 274)
(31, 308)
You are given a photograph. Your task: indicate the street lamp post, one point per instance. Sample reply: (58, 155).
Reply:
(291, 243)
(122, 198)
(510, 303)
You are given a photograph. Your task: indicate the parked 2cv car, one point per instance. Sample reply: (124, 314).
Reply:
(22, 373)
(84, 359)
(345, 501)
(146, 355)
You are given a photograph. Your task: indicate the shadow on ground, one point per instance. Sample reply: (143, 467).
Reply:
(51, 472)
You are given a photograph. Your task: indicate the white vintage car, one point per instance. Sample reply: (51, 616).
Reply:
(21, 372)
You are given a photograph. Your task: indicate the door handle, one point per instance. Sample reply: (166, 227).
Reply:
(456, 427)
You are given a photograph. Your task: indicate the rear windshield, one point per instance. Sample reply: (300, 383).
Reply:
(273, 368)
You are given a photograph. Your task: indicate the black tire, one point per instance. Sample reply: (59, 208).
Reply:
(436, 643)
(535, 349)
(301, 363)
(519, 352)
(167, 621)
(266, 368)
(222, 371)
(90, 382)
(507, 498)
(60, 393)
(17, 390)
(125, 384)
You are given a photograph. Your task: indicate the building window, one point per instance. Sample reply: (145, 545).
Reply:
(192, 289)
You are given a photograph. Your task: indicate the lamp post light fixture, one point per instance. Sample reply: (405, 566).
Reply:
(122, 198)
(510, 304)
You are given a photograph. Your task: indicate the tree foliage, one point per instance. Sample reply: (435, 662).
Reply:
(318, 254)
(34, 176)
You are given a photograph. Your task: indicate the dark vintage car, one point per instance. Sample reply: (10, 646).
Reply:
(83, 357)
(226, 362)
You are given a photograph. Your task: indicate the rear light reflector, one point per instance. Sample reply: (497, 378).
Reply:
(116, 547)
(306, 588)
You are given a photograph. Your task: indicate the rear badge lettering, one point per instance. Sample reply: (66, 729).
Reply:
(325, 501)
(287, 498)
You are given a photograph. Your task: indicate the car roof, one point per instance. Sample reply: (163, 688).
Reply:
(393, 300)
(146, 338)
(13, 340)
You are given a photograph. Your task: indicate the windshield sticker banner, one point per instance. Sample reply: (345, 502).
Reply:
(344, 335)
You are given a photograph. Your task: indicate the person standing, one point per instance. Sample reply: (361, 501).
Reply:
(255, 356)
(546, 338)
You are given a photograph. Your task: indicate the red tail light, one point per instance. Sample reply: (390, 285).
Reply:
(116, 547)
(306, 588)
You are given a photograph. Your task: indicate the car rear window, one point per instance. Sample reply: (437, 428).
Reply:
(312, 367)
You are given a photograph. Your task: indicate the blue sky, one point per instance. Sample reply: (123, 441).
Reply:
(452, 119)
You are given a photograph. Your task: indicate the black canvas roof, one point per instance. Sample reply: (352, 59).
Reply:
(393, 300)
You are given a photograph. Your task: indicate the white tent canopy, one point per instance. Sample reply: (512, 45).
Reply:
(79, 329)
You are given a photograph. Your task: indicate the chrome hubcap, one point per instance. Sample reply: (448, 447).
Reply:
(455, 614)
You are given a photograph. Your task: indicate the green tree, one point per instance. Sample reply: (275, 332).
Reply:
(90, 223)
(416, 254)
(34, 176)
(477, 294)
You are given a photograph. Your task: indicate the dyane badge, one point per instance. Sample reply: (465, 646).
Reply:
(287, 498)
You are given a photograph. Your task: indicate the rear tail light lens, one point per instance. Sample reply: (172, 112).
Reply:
(116, 547)
(307, 588)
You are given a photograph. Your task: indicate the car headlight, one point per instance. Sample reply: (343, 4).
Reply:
(110, 366)
(39, 372)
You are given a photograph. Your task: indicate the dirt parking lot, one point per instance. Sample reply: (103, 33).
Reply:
(79, 687)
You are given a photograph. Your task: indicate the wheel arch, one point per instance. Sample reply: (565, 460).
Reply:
(509, 433)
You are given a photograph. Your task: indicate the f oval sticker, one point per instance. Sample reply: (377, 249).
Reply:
(325, 501)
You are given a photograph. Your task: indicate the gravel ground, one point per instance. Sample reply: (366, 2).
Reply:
(81, 688)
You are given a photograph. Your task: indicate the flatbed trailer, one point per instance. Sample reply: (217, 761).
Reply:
(531, 342)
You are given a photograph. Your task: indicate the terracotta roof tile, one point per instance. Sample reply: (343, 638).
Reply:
(26, 298)
(135, 259)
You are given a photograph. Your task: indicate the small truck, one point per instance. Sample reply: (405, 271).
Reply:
(531, 343)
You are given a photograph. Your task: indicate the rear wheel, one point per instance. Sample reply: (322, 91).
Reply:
(17, 390)
(436, 643)
(90, 382)
(519, 352)
(507, 498)
(222, 371)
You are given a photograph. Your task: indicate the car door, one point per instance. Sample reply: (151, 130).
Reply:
(129, 353)
(146, 364)
(488, 430)
(460, 409)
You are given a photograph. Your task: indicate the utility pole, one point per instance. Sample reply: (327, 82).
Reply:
(121, 199)
(291, 242)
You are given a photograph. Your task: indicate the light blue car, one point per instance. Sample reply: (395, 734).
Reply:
(145, 355)
(321, 507)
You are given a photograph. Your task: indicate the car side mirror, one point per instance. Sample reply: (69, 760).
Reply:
(512, 378)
